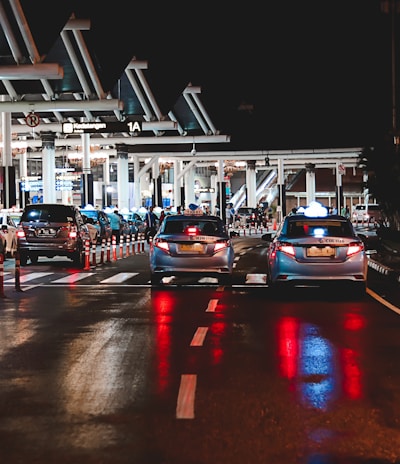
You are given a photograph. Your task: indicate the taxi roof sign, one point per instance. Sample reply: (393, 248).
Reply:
(197, 211)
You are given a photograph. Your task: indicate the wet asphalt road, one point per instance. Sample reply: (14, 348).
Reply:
(103, 369)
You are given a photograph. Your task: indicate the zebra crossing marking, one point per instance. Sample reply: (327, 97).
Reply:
(118, 278)
(72, 278)
(27, 277)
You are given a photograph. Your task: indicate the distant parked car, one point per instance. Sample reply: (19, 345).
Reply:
(370, 213)
(8, 234)
(248, 216)
(52, 229)
(101, 221)
(93, 230)
(137, 221)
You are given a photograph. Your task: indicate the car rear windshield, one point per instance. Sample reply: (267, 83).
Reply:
(207, 227)
(59, 213)
(304, 228)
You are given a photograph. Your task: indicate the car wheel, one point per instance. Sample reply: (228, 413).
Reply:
(225, 280)
(79, 259)
(23, 259)
(34, 259)
(156, 280)
(359, 290)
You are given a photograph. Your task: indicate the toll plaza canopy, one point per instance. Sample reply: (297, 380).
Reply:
(63, 74)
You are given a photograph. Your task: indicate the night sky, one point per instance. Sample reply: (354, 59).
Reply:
(274, 75)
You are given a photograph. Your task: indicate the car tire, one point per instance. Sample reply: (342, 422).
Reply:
(34, 258)
(79, 259)
(359, 290)
(225, 280)
(156, 280)
(23, 259)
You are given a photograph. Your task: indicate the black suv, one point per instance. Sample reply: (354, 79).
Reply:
(52, 230)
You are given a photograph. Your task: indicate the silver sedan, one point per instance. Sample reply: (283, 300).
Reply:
(313, 250)
(193, 245)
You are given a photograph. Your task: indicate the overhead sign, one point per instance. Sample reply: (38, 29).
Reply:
(204, 190)
(32, 120)
(101, 127)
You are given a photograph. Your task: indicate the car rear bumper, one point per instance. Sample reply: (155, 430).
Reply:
(210, 265)
(286, 269)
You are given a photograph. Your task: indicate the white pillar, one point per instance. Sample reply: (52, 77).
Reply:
(189, 187)
(251, 183)
(310, 182)
(122, 177)
(177, 183)
(6, 158)
(6, 139)
(48, 168)
(155, 174)
(213, 194)
(281, 209)
(137, 197)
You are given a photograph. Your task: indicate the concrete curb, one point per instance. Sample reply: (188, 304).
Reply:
(385, 270)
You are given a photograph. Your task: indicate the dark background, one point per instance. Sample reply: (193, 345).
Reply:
(274, 75)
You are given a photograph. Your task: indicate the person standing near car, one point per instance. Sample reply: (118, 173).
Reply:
(232, 214)
(115, 220)
(151, 224)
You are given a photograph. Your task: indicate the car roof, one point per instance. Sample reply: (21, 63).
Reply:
(185, 217)
(298, 217)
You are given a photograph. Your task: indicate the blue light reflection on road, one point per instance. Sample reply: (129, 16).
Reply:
(319, 371)
(316, 368)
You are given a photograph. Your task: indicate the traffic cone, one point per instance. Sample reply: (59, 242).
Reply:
(274, 225)
(87, 256)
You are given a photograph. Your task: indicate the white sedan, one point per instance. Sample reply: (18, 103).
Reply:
(8, 234)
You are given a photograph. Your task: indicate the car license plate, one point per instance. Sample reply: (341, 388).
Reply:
(324, 252)
(191, 248)
(47, 232)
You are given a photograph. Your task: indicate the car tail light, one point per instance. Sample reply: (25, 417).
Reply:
(21, 233)
(164, 246)
(218, 246)
(286, 248)
(73, 233)
(354, 248)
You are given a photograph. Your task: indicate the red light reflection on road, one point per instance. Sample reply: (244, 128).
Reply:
(352, 374)
(288, 346)
(163, 305)
(216, 332)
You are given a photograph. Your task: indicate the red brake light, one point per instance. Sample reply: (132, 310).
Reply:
(162, 245)
(20, 233)
(73, 233)
(355, 248)
(220, 246)
(286, 248)
(192, 230)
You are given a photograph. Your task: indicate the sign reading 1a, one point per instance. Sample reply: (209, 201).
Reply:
(98, 127)
(134, 126)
